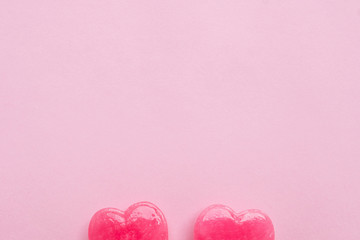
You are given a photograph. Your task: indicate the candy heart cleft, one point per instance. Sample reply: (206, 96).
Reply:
(141, 221)
(219, 222)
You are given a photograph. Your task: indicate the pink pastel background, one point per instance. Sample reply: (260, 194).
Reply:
(249, 103)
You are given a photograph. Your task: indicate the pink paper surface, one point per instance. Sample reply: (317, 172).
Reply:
(252, 104)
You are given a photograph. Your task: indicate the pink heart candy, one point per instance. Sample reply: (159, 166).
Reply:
(219, 222)
(141, 221)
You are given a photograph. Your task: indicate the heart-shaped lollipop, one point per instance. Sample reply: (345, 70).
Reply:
(219, 222)
(141, 221)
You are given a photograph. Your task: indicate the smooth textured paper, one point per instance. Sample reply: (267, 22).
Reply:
(251, 104)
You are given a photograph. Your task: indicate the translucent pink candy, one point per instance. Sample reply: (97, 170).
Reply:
(141, 221)
(145, 221)
(219, 222)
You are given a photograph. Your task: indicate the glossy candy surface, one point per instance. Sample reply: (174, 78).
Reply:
(141, 221)
(219, 222)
